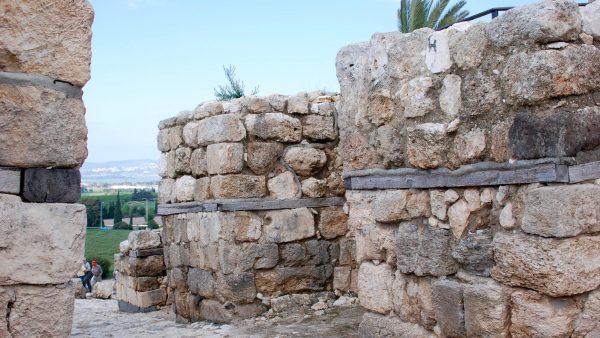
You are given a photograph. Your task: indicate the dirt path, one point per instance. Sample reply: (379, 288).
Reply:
(101, 318)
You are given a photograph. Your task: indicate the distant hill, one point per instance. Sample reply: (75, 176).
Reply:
(130, 171)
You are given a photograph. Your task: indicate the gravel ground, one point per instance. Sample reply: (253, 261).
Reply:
(101, 318)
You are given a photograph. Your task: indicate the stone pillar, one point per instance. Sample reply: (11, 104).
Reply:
(44, 63)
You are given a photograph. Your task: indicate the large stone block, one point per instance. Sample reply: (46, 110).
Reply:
(475, 253)
(51, 39)
(555, 267)
(144, 239)
(198, 164)
(424, 250)
(568, 71)
(275, 126)
(34, 131)
(293, 279)
(562, 211)
(182, 161)
(238, 186)
(379, 326)
(236, 288)
(427, 145)
(319, 128)
(306, 161)
(486, 310)
(150, 266)
(201, 282)
(184, 188)
(333, 222)
(449, 307)
(589, 16)
(284, 186)
(51, 185)
(535, 315)
(287, 225)
(588, 323)
(48, 239)
(36, 311)
(412, 299)
(262, 156)
(542, 22)
(225, 158)
(375, 287)
(219, 129)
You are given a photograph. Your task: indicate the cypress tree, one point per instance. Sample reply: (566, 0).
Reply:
(118, 214)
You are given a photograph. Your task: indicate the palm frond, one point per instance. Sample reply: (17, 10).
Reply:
(436, 12)
(453, 15)
(415, 14)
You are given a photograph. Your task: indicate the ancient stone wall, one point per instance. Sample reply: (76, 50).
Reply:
(140, 278)
(44, 63)
(252, 205)
(470, 160)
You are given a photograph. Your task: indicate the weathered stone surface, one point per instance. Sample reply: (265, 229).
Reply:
(468, 48)
(427, 145)
(424, 250)
(450, 96)
(208, 108)
(293, 279)
(287, 225)
(141, 299)
(458, 215)
(542, 22)
(103, 289)
(412, 298)
(278, 102)
(238, 186)
(555, 134)
(347, 251)
(144, 239)
(438, 204)
(166, 190)
(470, 146)
(284, 186)
(28, 310)
(562, 211)
(201, 282)
(556, 267)
(236, 288)
(189, 134)
(333, 222)
(449, 308)
(563, 72)
(397, 205)
(150, 266)
(78, 289)
(51, 185)
(313, 187)
(256, 104)
(437, 57)
(198, 164)
(10, 181)
(379, 326)
(202, 189)
(535, 315)
(486, 310)
(248, 226)
(319, 128)
(182, 161)
(184, 188)
(475, 252)
(414, 97)
(225, 158)
(243, 258)
(29, 238)
(342, 278)
(588, 322)
(262, 156)
(375, 287)
(305, 161)
(219, 129)
(589, 18)
(50, 40)
(33, 132)
(166, 165)
(274, 126)
(507, 221)
(298, 104)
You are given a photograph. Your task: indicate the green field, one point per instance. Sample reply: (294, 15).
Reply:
(101, 245)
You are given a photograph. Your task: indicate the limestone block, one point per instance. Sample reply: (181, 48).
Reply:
(321, 251)
(486, 310)
(51, 185)
(10, 181)
(412, 298)
(470, 146)
(103, 289)
(262, 156)
(287, 225)
(236, 288)
(198, 164)
(204, 256)
(507, 221)
(166, 190)
(256, 105)
(333, 222)
(347, 251)
(589, 16)
(293, 279)
(375, 325)
(150, 266)
(437, 57)
(556, 267)
(147, 298)
(208, 108)
(314, 188)
(305, 161)
(323, 108)
(390, 206)
(424, 250)
(206, 228)
(143, 239)
(341, 278)
(536, 315)
(458, 215)
(36, 311)
(284, 186)
(235, 258)
(202, 189)
(52, 40)
(163, 163)
(375, 242)
(562, 211)
(414, 97)
(201, 282)
(449, 307)
(468, 48)
(248, 226)
(475, 252)
(293, 254)
(274, 126)
(542, 22)
(225, 158)
(588, 322)
(298, 104)
(33, 128)
(237, 186)
(568, 71)
(278, 102)
(319, 128)
(375, 287)
(189, 134)
(450, 96)
(427, 145)
(47, 238)
(219, 129)
(182, 161)
(78, 289)
(184, 188)
(417, 204)
(438, 204)
(176, 137)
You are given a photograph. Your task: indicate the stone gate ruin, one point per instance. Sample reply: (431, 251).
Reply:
(453, 184)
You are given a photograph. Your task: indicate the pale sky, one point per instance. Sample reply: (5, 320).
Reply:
(154, 58)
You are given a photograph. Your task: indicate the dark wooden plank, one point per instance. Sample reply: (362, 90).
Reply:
(10, 181)
(174, 209)
(51, 185)
(146, 252)
(584, 172)
(548, 172)
(281, 204)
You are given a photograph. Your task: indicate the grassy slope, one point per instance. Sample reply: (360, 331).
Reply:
(102, 245)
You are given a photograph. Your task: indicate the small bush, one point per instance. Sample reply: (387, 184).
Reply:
(122, 226)
(235, 88)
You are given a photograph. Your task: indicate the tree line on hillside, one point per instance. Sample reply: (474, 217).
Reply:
(132, 206)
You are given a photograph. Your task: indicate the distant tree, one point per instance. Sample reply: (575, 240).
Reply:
(131, 219)
(152, 224)
(92, 210)
(122, 226)
(234, 89)
(415, 14)
(118, 214)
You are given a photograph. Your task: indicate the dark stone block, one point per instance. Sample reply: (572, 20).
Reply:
(476, 252)
(126, 307)
(447, 298)
(556, 134)
(51, 185)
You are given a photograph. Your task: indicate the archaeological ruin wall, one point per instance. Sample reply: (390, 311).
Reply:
(471, 163)
(44, 63)
(251, 198)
